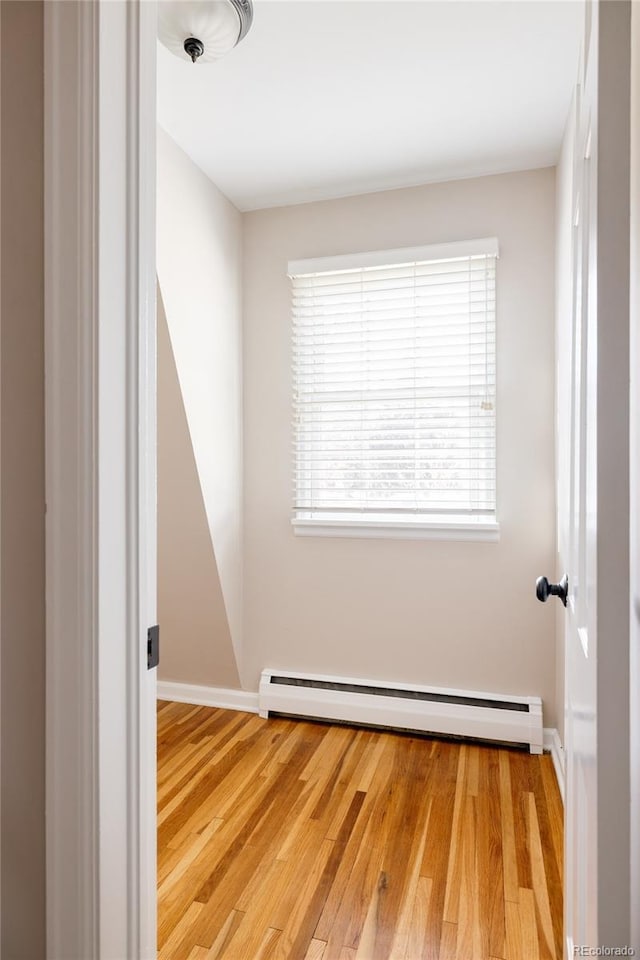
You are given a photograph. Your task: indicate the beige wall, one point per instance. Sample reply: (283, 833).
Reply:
(452, 614)
(199, 251)
(22, 496)
(196, 644)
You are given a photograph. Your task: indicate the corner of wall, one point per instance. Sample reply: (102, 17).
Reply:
(199, 253)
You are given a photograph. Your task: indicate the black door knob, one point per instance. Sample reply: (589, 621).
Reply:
(544, 589)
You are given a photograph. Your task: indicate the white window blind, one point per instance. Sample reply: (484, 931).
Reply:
(394, 385)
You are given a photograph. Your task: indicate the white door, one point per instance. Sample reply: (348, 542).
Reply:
(593, 516)
(581, 923)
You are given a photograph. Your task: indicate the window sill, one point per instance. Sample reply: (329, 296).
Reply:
(487, 531)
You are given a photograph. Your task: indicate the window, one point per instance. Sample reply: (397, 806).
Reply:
(394, 392)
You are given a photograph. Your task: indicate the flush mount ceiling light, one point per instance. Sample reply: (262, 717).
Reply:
(203, 30)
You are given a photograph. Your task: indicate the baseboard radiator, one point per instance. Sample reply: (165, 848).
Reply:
(428, 710)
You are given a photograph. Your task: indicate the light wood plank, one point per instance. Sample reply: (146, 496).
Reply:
(225, 936)
(418, 925)
(316, 950)
(509, 860)
(447, 949)
(521, 784)
(260, 913)
(554, 804)
(452, 895)
(490, 855)
(513, 931)
(291, 940)
(198, 953)
(173, 944)
(469, 944)
(528, 926)
(186, 855)
(473, 771)
(407, 918)
(367, 946)
(266, 950)
(540, 892)
(436, 857)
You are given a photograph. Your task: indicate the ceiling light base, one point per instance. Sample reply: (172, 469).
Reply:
(193, 48)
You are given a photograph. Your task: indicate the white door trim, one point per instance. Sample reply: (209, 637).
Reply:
(634, 672)
(100, 375)
(612, 505)
(597, 808)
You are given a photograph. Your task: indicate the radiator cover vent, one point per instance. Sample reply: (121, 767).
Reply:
(436, 710)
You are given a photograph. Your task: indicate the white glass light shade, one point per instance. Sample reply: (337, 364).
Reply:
(216, 23)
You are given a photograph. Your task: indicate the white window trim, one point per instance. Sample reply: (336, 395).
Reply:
(485, 246)
(463, 530)
(453, 528)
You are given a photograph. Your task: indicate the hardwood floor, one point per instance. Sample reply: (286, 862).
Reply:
(288, 840)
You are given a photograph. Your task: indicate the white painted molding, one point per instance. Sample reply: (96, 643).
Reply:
(357, 529)
(142, 31)
(70, 65)
(204, 696)
(553, 745)
(99, 362)
(485, 246)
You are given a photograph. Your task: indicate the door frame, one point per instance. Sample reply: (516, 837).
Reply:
(100, 122)
(634, 672)
(607, 580)
(611, 287)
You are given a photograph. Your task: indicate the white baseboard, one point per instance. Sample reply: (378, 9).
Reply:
(553, 745)
(204, 696)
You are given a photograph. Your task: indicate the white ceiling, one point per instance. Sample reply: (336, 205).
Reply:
(328, 98)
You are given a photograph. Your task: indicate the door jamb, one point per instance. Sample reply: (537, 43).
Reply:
(634, 672)
(100, 436)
